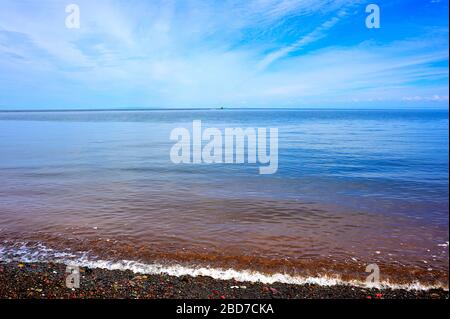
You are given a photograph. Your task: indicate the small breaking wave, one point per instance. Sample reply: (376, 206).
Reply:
(42, 254)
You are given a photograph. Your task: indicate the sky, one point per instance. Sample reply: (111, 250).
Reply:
(223, 53)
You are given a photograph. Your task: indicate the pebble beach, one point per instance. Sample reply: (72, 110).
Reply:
(47, 281)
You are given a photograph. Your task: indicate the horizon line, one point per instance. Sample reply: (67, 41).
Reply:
(217, 109)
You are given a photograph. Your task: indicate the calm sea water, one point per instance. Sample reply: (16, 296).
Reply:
(352, 188)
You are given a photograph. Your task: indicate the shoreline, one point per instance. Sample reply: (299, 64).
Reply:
(20, 280)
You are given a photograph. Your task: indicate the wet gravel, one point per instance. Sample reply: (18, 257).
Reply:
(48, 281)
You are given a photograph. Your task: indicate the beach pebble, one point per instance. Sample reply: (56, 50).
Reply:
(273, 290)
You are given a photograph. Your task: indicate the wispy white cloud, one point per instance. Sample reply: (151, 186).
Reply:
(202, 53)
(311, 37)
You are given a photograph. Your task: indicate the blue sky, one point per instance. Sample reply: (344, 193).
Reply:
(200, 53)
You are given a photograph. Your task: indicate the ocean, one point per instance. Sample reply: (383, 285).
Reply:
(352, 188)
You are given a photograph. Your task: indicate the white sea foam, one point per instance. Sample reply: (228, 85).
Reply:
(40, 253)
